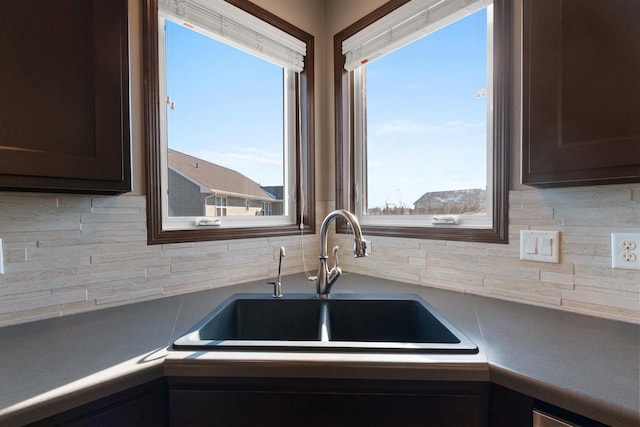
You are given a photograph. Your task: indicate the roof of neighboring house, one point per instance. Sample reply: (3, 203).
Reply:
(452, 196)
(214, 178)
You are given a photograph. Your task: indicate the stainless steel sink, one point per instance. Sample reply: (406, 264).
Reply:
(341, 323)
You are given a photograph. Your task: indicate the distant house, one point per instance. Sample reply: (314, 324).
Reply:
(201, 188)
(452, 202)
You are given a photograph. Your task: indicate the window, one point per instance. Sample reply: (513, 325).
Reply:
(421, 120)
(221, 206)
(227, 115)
(266, 208)
(230, 122)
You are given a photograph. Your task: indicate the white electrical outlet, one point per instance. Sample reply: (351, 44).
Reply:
(625, 250)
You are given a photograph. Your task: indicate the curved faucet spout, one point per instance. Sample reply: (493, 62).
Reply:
(327, 277)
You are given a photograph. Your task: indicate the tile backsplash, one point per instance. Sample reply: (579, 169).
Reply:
(582, 282)
(66, 253)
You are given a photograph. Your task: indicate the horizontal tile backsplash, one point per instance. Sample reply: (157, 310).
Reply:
(582, 282)
(66, 253)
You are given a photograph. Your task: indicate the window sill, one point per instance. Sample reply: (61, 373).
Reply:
(202, 234)
(453, 233)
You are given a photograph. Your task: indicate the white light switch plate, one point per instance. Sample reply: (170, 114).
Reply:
(542, 246)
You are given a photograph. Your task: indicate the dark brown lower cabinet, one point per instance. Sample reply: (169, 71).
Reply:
(194, 402)
(144, 405)
(312, 402)
(508, 408)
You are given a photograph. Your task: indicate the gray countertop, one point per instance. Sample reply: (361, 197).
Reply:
(584, 364)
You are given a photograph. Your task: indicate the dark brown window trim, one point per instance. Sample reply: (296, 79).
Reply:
(304, 142)
(343, 92)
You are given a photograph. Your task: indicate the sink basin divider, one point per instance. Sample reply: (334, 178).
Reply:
(323, 323)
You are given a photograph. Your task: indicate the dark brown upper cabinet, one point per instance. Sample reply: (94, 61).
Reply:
(64, 80)
(581, 92)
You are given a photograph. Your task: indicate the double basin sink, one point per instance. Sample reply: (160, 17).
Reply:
(340, 323)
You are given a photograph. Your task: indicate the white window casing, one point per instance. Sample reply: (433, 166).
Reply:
(404, 25)
(254, 29)
(233, 26)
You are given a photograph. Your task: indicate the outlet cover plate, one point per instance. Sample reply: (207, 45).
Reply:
(541, 246)
(625, 250)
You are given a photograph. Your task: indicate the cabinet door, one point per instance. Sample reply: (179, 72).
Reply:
(325, 402)
(509, 408)
(236, 408)
(64, 115)
(581, 92)
(140, 406)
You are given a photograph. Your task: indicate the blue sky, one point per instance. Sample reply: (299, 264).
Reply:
(230, 115)
(426, 127)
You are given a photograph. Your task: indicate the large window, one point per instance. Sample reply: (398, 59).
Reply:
(231, 133)
(230, 130)
(424, 153)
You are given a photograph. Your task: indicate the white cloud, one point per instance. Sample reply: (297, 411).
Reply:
(398, 126)
(405, 126)
(262, 166)
(413, 86)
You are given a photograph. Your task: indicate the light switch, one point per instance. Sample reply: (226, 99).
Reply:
(531, 245)
(543, 246)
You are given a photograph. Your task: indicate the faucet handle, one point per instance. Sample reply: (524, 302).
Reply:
(336, 271)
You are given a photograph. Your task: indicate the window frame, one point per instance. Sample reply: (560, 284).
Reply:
(221, 208)
(289, 79)
(345, 135)
(266, 208)
(304, 215)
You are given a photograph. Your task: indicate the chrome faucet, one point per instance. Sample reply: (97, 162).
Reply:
(277, 284)
(326, 278)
